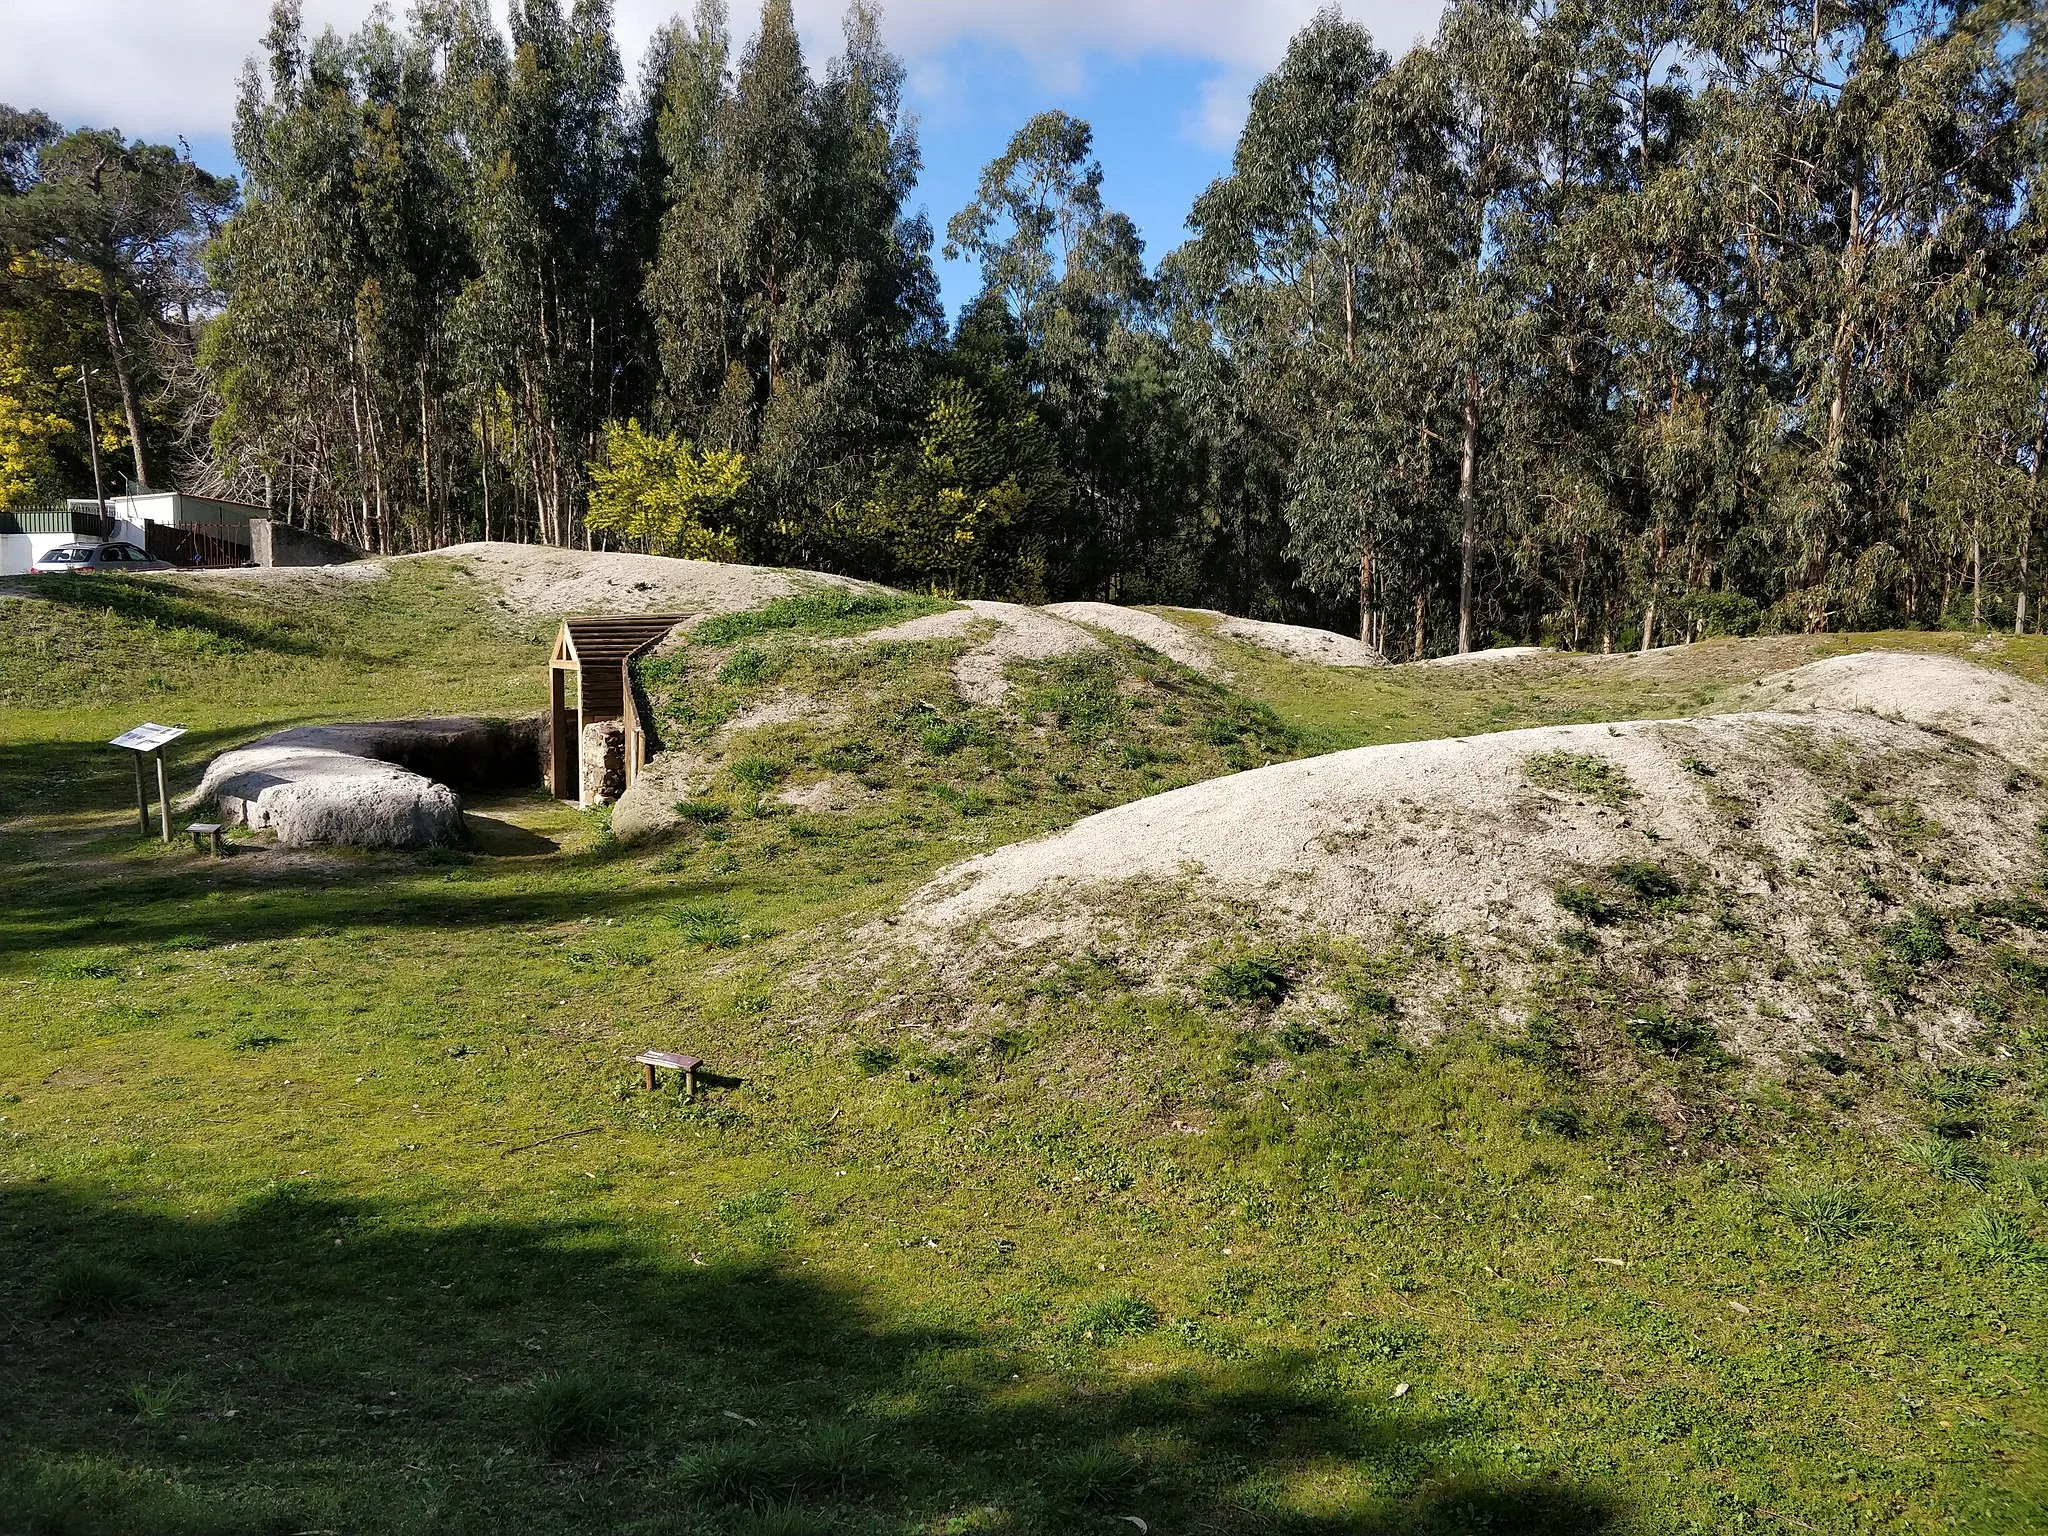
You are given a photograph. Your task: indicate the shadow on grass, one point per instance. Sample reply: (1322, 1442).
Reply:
(320, 1364)
(141, 601)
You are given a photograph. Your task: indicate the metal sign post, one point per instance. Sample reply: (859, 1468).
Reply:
(149, 740)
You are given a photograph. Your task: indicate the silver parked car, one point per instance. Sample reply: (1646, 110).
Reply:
(70, 559)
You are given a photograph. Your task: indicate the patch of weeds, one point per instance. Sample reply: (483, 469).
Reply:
(709, 925)
(968, 801)
(1580, 773)
(835, 1458)
(1954, 1162)
(1114, 1318)
(1999, 1236)
(1825, 1214)
(2028, 972)
(1581, 941)
(824, 612)
(1300, 1037)
(1655, 1029)
(1560, 1120)
(1262, 980)
(1587, 905)
(568, 1411)
(1919, 940)
(756, 775)
(746, 666)
(1648, 882)
(81, 1286)
(874, 1059)
(850, 754)
(704, 813)
(1383, 1342)
(734, 1471)
(154, 1404)
(1081, 696)
(946, 737)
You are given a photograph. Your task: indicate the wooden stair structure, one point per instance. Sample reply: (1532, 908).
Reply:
(599, 651)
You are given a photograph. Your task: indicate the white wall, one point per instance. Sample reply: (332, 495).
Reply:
(18, 551)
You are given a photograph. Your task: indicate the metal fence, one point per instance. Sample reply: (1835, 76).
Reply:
(62, 520)
(198, 543)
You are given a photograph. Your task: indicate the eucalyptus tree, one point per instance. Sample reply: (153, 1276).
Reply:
(790, 284)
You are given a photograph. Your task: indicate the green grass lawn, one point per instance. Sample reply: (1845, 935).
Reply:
(328, 1201)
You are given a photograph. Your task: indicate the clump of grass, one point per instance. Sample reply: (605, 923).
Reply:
(83, 1286)
(1080, 694)
(252, 1037)
(1263, 980)
(1092, 1472)
(1580, 773)
(874, 1059)
(1300, 1037)
(1654, 1028)
(710, 926)
(943, 738)
(1825, 1214)
(704, 813)
(1648, 882)
(568, 1411)
(156, 1403)
(746, 666)
(1115, 1317)
(1919, 940)
(757, 775)
(2000, 1236)
(731, 1470)
(1954, 1162)
(834, 1458)
(1587, 905)
(1560, 1120)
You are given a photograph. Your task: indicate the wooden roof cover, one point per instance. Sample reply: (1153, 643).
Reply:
(597, 647)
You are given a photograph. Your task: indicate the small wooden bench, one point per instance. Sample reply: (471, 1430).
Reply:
(203, 830)
(687, 1065)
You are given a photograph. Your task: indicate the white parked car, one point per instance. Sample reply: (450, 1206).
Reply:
(70, 559)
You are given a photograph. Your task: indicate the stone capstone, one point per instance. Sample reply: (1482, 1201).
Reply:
(372, 784)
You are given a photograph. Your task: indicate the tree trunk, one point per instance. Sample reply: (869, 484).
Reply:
(1976, 575)
(1421, 616)
(1650, 627)
(1468, 511)
(1365, 625)
(110, 312)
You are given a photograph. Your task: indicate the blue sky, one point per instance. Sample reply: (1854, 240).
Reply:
(1163, 82)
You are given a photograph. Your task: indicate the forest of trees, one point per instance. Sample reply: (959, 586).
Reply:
(1601, 323)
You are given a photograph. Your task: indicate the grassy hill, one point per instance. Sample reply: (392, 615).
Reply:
(328, 1202)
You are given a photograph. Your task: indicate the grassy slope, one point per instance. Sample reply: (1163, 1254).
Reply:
(285, 1245)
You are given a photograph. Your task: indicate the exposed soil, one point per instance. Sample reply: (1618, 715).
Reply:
(1161, 634)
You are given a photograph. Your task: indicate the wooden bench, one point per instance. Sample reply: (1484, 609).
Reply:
(687, 1065)
(201, 831)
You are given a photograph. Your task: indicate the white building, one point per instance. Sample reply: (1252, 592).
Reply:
(214, 527)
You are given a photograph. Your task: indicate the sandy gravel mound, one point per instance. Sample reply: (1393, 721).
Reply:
(346, 783)
(930, 626)
(540, 579)
(1994, 708)
(1479, 658)
(1022, 634)
(648, 807)
(1323, 646)
(1161, 634)
(1466, 836)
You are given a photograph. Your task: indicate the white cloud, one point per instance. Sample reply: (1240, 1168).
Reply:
(162, 67)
